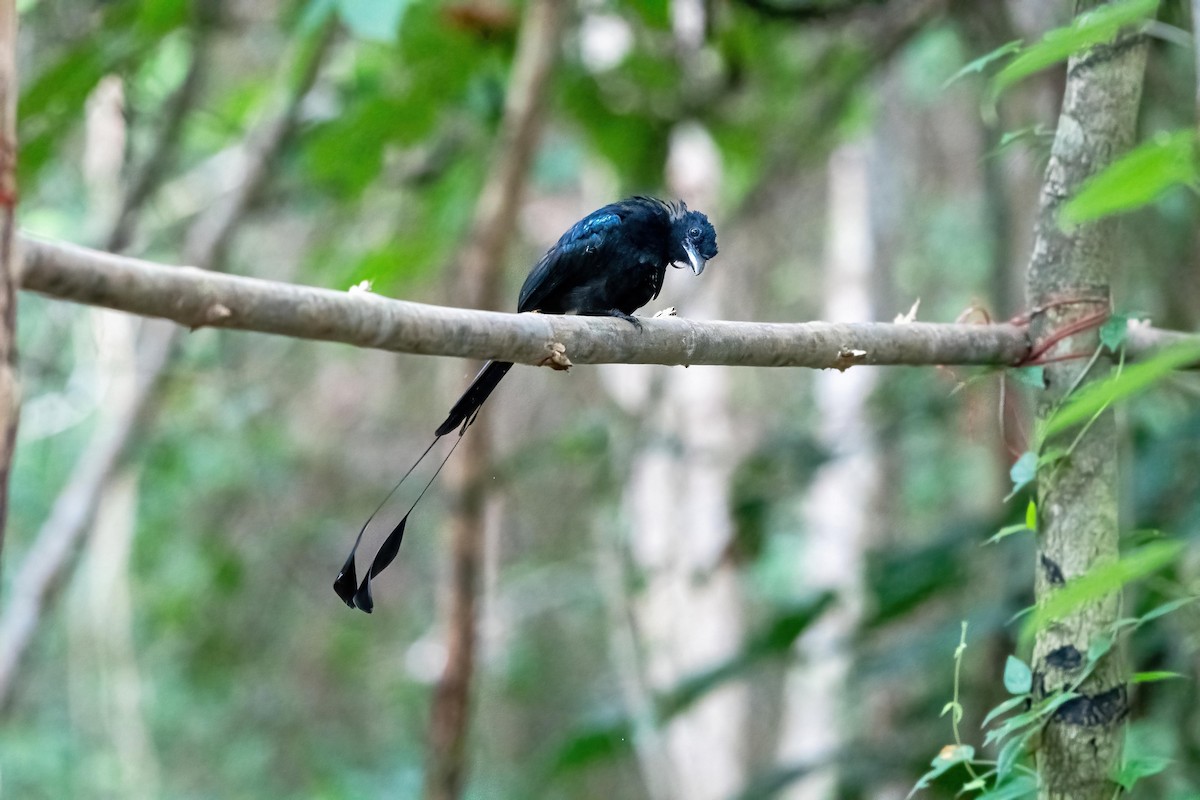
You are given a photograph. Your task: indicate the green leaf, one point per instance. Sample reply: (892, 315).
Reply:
(1024, 612)
(1103, 580)
(955, 708)
(1099, 648)
(1136, 178)
(1023, 471)
(314, 15)
(958, 753)
(1019, 787)
(1035, 132)
(1051, 704)
(980, 63)
(775, 640)
(947, 758)
(656, 13)
(1010, 753)
(1134, 769)
(1052, 455)
(1019, 722)
(1034, 377)
(1129, 382)
(1006, 531)
(1005, 707)
(1086, 30)
(1031, 516)
(597, 741)
(1018, 677)
(973, 786)
(1165, 608)
(1114, 331)
(373, 20)
(1156, 676)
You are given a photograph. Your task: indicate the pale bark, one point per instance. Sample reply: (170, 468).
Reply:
(1070, 272)
(101, 617)
(45, 562)
(677, 500)
(101, 623)
(198, 298)
(625, 653)
(839, 508)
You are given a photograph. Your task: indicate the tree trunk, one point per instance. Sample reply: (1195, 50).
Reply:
(677, 501)
(9, 254)
(50, 554)
(479, 279)
(102, 614)
(1069, 279)
(840, 503)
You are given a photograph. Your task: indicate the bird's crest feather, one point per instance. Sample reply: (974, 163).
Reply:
(676, 210)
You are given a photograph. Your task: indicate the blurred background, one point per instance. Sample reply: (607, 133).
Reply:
(695, 583)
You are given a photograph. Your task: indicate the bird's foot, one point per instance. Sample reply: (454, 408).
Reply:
(630, 318)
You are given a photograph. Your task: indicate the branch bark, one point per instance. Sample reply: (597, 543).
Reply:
(1069, 278)
(75, 507)
(9, 252)
(479, 279)
(197, 298)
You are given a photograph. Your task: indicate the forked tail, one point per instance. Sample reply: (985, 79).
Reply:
(357, 594)
(480, 389)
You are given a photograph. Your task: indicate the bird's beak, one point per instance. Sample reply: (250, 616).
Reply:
(696, 260)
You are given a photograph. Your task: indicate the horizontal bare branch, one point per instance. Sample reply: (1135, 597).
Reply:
(197, 298)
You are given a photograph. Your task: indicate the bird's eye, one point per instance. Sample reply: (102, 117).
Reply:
(694, 233)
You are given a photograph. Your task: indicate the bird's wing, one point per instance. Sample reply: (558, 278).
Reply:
(569, 263)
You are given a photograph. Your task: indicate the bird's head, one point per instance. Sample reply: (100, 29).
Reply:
(694, 240)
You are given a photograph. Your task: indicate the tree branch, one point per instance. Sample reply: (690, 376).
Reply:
(150, 175)
(196, 298)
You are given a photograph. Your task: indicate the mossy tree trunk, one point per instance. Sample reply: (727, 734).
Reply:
(1069, 285)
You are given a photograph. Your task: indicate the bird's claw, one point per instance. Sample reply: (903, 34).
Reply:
(630, 318)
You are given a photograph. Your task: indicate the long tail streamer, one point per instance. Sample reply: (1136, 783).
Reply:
(358, 595)
(462, 415)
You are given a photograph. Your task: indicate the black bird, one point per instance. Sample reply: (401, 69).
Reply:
(610, 263)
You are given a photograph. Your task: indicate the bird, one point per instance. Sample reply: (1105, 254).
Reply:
(610, 263)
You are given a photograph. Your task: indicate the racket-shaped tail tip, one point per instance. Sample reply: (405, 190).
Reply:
(362, 598)
(346, 582)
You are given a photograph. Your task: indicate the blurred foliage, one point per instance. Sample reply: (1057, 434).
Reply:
(1098, 26)
(264, 454)
(1137, 178)
(613, 737)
